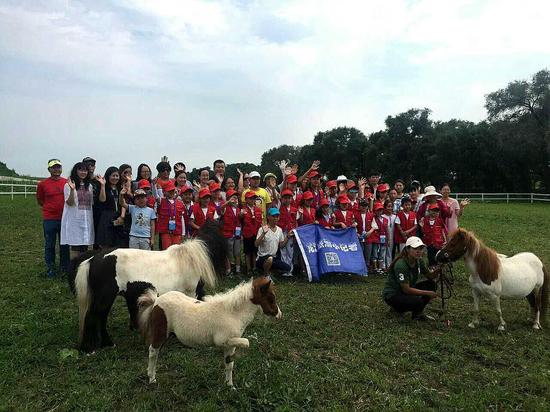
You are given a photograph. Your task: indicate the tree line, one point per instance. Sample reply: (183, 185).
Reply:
(507, 152)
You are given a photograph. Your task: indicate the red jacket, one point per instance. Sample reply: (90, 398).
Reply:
(433, 232)
(363, 227)
(444, 211)
(349, 220)
(287, 219)
(317, 198)
(230, 220)
(187, 211)
(406, 224)
(167, 211)
(354, 207)
(307, 216)
(50, 194)
(198, 214)
(252, 221)
(326, 222)
(382, 229)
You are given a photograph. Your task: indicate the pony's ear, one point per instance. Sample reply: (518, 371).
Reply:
(265, 287)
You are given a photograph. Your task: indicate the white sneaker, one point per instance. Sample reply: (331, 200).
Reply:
(287, 275)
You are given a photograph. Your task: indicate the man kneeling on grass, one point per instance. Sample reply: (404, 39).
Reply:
(269, 240)
(402, 291)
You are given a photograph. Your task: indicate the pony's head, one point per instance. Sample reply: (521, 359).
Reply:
(460, 241)
(263, 294)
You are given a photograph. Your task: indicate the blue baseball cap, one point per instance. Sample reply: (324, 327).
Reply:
(273, 211)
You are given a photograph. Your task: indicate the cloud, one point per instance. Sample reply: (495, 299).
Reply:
(248, 75)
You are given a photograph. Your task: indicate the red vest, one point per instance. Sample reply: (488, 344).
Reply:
(307, 216)
(405, 224)
(287, 219)
(363, 227)
(382, 228)
(317, 198)
(230, 221)
(348, 220)
(198, 214)
(187, 211)
(433, 232)
(326, 222)
(169, 211)
(252, 221)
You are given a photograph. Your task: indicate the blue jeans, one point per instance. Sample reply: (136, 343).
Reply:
(52, 230)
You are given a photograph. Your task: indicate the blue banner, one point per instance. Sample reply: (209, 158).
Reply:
(329, 250)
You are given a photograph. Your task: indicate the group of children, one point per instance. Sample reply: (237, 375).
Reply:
(176, 209)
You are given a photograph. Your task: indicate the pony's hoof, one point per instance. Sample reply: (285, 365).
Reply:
(472, 325)
(537, 326)
(501, 327)
(151, 381)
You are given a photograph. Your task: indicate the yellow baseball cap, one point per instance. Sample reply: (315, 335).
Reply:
(54, 162)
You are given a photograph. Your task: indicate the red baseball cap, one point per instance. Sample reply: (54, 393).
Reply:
(204, 192)
(350, 184)
(168, 187)
(230, 193)
(250, 194)
(186, 189)
(384, 187)
(313, 174)
(291, 179)
(287, 192)
(307, 195)
(214, 186)
(378, 205)
(331, 183)
(433, 206)
(343, 199)
(324, 202)
(144, 183)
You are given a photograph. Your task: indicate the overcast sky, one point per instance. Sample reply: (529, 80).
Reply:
(131, 80)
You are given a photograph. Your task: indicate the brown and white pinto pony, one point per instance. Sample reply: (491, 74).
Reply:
(496, 275)
(219, 320)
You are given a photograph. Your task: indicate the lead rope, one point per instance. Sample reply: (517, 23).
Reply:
(446, 283)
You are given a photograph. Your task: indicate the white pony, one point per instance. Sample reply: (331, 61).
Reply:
(496, 275)
(218, 321)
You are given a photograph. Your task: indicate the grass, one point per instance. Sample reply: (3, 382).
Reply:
(337, 347)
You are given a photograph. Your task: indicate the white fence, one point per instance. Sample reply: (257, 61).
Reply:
(29, 189)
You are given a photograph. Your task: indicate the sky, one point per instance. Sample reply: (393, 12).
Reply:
(131, 80)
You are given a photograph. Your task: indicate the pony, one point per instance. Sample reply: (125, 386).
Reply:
(218, 321)
(496, 275)
(97, 279)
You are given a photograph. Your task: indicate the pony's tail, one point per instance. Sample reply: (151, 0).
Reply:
(544, 292)
(74, 264)
(83, 295)
(145, 305)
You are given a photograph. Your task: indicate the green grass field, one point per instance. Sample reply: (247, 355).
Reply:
(337, 347)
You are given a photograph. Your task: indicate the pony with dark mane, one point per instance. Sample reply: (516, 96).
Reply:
(97, 279)
(496, 275)
(218, 321)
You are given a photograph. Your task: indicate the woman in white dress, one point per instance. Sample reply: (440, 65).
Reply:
(77, 223)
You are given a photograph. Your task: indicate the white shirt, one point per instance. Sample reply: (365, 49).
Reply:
(77, 222)
(270, 243)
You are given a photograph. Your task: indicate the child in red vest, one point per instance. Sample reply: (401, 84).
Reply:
(315, 188)
(433, 232)
(353, 191)
(231, 230)
(306, 212)
(203, 210)
(169, 217)
(323, 215)
(251, 216)
(344, 218)
(405, 223)
(376, 239)
(186, 196)
(288, 220)
(363, 217)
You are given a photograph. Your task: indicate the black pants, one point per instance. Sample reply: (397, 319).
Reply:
(277, 265)
(412, 303)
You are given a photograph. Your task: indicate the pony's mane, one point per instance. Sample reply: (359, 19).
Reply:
(486, 259)
(193, 254)
(234, 297)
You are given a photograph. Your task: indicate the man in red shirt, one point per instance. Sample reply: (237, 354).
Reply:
(49, 195)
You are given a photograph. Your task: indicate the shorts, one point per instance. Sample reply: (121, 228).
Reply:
(139, 243)
(233, 247)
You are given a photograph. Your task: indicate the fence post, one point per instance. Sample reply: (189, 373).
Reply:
(482, 197)
(531, 198)
(25, 190)
(12, 191)
(507, 197)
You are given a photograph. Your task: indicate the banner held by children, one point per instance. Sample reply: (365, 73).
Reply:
(326, 251)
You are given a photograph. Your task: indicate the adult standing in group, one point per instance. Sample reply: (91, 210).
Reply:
(402, 291)
(219, 172)
(110, 221)
(77, 223)
(143, 173)
(432, 197)
(89, 162)
(456, 209)
(260, 192)
(49, 195)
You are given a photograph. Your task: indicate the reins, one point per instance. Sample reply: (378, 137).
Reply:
(446, 283)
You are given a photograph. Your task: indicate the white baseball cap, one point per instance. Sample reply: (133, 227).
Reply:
(414, 242)
(341, 178)
(253, 174)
